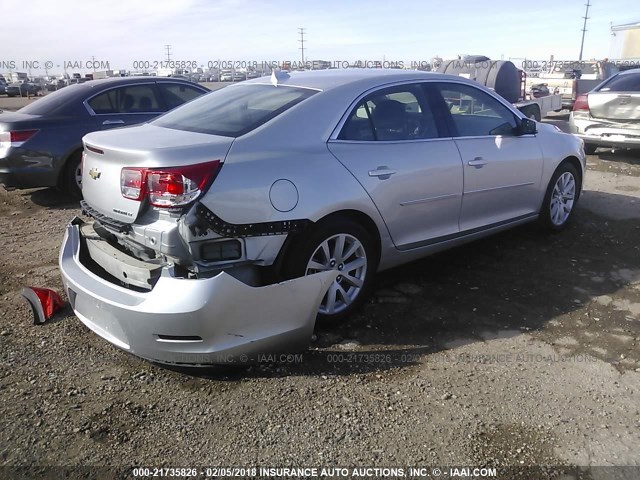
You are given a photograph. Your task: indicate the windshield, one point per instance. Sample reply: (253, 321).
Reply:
(234, 111)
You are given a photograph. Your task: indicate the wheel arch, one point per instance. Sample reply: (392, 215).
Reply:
(573, 161)
(62, 170)
(355, 216)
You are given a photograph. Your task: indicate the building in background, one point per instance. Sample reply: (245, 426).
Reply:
(18, 77)
(625, 41)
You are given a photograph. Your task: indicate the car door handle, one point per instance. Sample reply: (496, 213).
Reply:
(381, 172)
(477, 162)
(113, 122)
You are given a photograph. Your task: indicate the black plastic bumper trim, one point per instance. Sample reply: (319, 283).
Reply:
(203, 219)
(108, 222)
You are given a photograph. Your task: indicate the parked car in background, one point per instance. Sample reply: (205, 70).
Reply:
(226, 76)
(609, 115)
(3, 87)
(180, 77)
(539, 90)
(54, 85)
(41, 144)
(339, 173)
(239, 76)
(22, 89)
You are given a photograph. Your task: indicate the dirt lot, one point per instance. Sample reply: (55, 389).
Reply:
(521, 349)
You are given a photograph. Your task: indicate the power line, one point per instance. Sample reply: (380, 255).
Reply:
(584, 28)
(301, 31)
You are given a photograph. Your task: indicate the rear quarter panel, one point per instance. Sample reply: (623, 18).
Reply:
(241, 192)
(293, 146)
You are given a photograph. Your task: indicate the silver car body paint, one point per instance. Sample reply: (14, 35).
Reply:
(216, 320)
(435, 200)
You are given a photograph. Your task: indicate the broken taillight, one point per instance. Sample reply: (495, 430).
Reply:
(44, 303)
(15, 138)
(168, 187)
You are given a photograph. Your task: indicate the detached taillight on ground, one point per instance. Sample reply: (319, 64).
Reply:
(44, 303)
(581, 103)
(15, 138)
(168, 187)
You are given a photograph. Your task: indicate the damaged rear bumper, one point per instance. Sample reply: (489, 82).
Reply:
(605, 133)
(181, 321)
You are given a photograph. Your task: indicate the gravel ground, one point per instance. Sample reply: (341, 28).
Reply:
(520, 349)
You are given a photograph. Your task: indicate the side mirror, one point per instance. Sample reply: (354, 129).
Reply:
(528, 127)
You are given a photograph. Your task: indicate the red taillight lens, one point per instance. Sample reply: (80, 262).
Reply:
(581, 103)
(16, 138)
(132, 183)
(168, 187)
(22, 135)
(179, 186)
(169, 183)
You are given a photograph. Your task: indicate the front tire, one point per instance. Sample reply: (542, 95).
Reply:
(561, 198)
(343, 245)
(590, 148)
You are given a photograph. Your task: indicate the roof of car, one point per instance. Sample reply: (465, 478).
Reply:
(85, 86)
(326, 79)
(631, 71)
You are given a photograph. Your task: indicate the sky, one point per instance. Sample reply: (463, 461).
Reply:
(209, 31)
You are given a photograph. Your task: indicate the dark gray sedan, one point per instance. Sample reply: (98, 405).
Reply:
(41, 144)
(22, 89)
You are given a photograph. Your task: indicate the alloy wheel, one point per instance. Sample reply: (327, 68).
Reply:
(346, 254)
(562, 198)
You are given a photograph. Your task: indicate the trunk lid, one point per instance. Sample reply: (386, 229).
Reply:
(14, 120)
(144, 146)
(619, 106)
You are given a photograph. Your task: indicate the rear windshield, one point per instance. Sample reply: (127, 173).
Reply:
(54, 102)
(629, 82)
(234, 111)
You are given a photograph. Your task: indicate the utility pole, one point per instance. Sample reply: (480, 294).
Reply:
(584, 27)
(168, 48)
(93, 61)
(301, 31)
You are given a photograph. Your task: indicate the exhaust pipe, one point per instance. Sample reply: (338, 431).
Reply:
(44, 303)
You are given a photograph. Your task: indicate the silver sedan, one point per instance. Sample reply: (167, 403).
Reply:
(224, 228)
(609, 115)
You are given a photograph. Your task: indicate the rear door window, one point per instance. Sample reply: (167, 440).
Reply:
(178, 93)
(391, 114)
(622, 83)
(128, 99)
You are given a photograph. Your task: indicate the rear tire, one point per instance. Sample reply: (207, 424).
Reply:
(72, 181)
(337, 244)
(561, 198)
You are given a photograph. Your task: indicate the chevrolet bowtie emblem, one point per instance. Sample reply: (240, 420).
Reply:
(94, 173)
